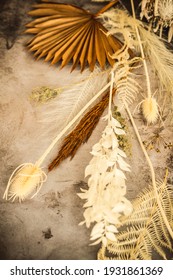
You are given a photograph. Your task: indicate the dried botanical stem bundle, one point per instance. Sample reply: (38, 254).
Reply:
(24, 181)
(28, 177)
(81, 132)
(105, 196)
(145, 228)
(153, 175)
(160, 14)
(160, 58)
(119, 21)
(65, 32)
(59, 111)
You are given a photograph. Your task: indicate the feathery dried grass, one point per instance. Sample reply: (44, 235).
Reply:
(81, 133)
(160, 57)
(58, 112)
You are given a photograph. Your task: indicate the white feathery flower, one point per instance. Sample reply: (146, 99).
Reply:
(105, 196)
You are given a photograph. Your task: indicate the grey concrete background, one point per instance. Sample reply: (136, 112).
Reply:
(47, 226)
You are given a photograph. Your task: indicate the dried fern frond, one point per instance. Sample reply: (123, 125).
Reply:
(65, 32)
(81, 133)
(125, 80)
(146, 230)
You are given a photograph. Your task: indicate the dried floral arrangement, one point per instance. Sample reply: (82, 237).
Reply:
(160, 15)
(125, 229)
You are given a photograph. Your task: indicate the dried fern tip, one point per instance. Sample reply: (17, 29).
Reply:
(26, 180)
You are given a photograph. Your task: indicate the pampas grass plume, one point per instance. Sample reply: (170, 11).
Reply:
(150, 110)
(24, 181)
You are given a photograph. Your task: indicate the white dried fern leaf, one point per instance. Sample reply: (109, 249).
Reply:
(105, 196)
(146, 230)
(119, 22)
(125, 81)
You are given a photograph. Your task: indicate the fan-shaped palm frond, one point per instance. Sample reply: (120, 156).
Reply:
(65, 32)
(146, 230)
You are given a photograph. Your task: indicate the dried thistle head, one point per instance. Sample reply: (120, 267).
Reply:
(150, 110)
(24, 181)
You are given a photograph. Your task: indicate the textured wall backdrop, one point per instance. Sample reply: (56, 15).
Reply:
(47, 226)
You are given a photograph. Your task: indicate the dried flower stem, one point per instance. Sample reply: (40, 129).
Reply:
(105, 8)
(42, 158)
(152, 171)
(142, 53)
(110, 96)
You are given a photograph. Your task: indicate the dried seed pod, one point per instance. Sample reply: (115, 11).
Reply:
(150, 110)
(24, 181)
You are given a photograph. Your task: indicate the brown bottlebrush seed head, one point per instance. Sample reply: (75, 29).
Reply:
(150, 110)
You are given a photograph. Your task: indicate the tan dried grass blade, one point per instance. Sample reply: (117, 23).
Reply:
(68, 33)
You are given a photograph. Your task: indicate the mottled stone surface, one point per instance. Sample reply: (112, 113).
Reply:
(47, 226)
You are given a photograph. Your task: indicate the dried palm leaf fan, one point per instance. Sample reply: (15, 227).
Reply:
(65, 32)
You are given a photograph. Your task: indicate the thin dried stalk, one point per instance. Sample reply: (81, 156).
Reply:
(81, 133)
(30, 176)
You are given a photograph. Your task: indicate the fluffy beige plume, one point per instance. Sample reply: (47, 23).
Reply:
(150, 110)
(26, 180)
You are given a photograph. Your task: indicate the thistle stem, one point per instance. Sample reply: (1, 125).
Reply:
(142, 53)
(110, 97)
(152, 172)
(42, 158)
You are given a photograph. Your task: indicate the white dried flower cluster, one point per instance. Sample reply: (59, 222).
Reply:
(160, 14)
(119, 22)
(105, 196)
